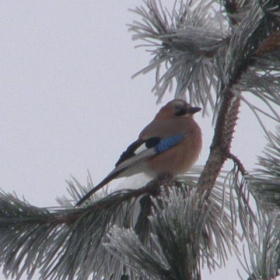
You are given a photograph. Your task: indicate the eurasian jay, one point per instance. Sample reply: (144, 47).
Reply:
(170, 144)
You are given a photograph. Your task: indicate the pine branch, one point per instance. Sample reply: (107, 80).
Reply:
(239, 60)
(265, 183)
(61, 242)
(189, 43)
(221, 142)
(185, 232)
(263, 245)
(237, 9)
(68, 244)
(238, 163)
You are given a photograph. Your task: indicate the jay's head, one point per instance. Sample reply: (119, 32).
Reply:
(177, 108)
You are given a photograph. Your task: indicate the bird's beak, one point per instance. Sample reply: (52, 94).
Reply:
(194, 110)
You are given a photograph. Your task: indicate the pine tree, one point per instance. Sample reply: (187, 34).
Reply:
(214, 54)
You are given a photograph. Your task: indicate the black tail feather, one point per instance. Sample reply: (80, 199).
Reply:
(105, 181)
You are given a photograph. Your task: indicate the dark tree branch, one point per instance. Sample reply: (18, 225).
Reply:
(238, 163)
(220, 147)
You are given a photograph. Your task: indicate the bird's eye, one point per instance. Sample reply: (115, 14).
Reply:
(178, 107)
(180, 110)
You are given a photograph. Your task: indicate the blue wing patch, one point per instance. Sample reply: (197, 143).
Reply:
(167, 143)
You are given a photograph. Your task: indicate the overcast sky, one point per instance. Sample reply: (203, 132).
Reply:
(68, 103)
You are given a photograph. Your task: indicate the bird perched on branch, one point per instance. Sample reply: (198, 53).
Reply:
(170, 144)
